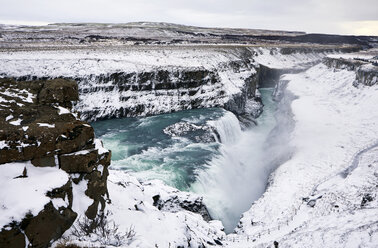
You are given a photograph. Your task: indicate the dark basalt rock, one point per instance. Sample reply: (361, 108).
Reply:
(184, 86)
(78, 163)
(41, 230)
(12, 238)
(366, 71)
(367, 75)
(46, 161)
(175, 203)
(366, 199)
(48, 225)
(33, 129)
(196, 133)
(64, 192)
(40, 132)
(340, 63)
(59, 91)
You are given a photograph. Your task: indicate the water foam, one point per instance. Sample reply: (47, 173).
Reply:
(228, 128)
(238, 175)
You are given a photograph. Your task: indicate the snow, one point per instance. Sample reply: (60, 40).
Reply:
(16, 122)
(3, 144)
(19, 95)
(46, 125)
(80, 200)
(336, 129)
(334, 121)
(154, 227)
(108, 100)
(63, 111)
(59, 202)
(86, 65)
(82, 152)
(273, 58)
(9, 117)
(22, 195)
(80, 63)
(132, 207)
(99, 146)
(365, 55)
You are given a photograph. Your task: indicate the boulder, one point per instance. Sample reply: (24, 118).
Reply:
(48, 225)
(79, 162)
(12, 238)
(60, 91)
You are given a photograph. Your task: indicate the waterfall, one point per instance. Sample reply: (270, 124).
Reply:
(228, 128)
(238, 175)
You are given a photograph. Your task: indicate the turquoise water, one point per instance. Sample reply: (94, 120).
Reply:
(140, 146)
(229, 175)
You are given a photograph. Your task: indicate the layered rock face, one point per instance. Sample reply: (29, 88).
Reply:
(366, 69)
(164, 90)
(39, 133)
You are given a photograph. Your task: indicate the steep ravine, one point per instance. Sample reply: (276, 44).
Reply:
(148, 92)
(310, 197)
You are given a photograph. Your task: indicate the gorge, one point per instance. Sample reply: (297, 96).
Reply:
(215, 140)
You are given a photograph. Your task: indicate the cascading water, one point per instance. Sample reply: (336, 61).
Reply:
(228, 128)
(230, 174)
(238, 175)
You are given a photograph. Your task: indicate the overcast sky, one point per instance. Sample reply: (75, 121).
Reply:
(322, 16)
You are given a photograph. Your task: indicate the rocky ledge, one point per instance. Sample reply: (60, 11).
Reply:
(366, 68)
(42, 140)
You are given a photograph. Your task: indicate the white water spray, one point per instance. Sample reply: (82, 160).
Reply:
(228, 128)
(238, 175)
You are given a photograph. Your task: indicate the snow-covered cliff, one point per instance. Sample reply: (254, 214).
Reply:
(116, 83)
(325, 195)
(329, 121)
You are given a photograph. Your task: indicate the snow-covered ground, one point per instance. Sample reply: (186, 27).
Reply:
(84, 62)
(273, 58)
(370, 55)
(22, 193)
(132, 208)
(310, 202)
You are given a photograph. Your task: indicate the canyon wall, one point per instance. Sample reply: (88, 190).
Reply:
(49, 157)
(366, 70)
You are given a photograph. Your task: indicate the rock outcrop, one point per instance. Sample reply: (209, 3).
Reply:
(196, 133)
(182, 202)
(164, 90)
(38, 126)
(366, 70)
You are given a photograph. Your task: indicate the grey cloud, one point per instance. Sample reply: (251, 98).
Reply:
(306, 15)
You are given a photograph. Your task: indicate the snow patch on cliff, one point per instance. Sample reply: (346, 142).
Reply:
(22, 193)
